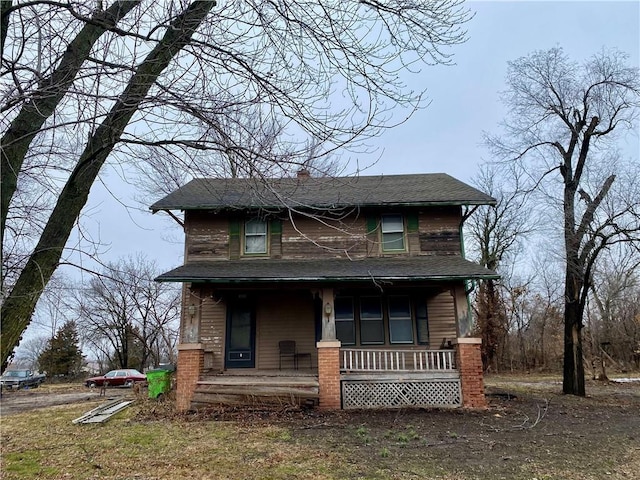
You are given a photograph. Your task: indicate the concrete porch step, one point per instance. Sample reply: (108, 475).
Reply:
(257, 387)
(270, 387)
(310, 381)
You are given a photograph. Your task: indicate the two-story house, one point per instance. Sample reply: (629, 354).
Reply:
(346, 291)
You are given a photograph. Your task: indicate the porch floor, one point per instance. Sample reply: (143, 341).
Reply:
(266, 373)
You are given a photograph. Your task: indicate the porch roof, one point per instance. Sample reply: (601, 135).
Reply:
(322, 192)
(409, 269)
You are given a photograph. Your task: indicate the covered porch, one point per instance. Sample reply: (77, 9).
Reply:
(356, 346)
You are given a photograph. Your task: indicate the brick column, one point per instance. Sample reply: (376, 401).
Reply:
(329, 374)
(190, 365)
(471, 377)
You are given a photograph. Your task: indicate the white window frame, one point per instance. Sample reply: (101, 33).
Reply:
(264, 235)
(388, 230)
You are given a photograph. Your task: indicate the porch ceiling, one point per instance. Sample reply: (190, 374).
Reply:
(411, 269)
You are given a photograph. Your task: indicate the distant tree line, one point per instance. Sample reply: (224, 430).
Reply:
(118, 318)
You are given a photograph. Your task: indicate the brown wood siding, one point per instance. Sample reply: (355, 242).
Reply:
(275, 245)
(322, 240)
(413, 243)
(442, 319)
(439, 232)
(207, 236)
(284, 317)
(212, 330)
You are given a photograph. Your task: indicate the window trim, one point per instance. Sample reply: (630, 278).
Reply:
(380, 320)
(411, 318)
(383, 232)
(245, 235)
(351, 320)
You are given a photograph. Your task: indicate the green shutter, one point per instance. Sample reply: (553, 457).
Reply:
(412, 222)
(372, 224)
(234, 228)
(276, 226)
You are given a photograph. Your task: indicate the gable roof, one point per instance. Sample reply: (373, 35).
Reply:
(418, 268)
(322, 192)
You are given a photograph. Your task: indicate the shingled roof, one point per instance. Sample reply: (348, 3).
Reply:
(322, 192)
(428, 267)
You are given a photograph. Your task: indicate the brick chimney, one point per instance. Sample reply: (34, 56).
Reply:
(304, 173)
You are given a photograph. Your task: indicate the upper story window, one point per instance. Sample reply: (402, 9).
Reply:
(392, 228)
(255, 237)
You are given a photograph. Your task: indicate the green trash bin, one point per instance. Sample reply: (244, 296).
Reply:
(159, 382)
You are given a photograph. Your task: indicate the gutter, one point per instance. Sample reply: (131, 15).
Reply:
(321, 279)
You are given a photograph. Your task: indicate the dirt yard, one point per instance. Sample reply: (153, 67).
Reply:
(530, 431)
(47, 395)
(530, 427)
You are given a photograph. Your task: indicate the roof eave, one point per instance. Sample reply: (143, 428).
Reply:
(155, 209)
(324, 279)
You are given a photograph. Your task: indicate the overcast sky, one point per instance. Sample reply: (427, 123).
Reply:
(445, 137)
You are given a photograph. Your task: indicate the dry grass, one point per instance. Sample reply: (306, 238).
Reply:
(576, 439)
(47, 445)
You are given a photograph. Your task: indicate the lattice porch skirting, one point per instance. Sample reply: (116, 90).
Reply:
(401, 393)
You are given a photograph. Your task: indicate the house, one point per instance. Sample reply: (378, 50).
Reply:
(350, 292)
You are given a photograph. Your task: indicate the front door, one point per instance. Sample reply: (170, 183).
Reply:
(241, 335)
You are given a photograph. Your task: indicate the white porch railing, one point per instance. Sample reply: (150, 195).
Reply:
(370, 360)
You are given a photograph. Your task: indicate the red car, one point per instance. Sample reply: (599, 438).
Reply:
(117, 378)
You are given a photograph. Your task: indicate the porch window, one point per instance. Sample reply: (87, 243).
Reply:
(371, 323)
(345, 321)
(422, 322)
(392, 233)
(400, 324)
(255, 237)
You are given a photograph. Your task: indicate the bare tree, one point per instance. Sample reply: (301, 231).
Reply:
(30, 350)
(86, 85)
(614, 320)
(265, 153)
(128, 317)
(496, 233)
(563, 123)
(547, 310)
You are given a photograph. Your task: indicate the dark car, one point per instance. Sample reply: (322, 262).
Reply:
(125, 377)
(21, 379)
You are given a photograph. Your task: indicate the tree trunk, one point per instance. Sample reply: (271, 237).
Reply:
(489, 322)
(573, 373)
(27, 124)
(19, 305)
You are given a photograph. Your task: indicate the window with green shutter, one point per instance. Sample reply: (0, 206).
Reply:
(255, 237)
(392, 232)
